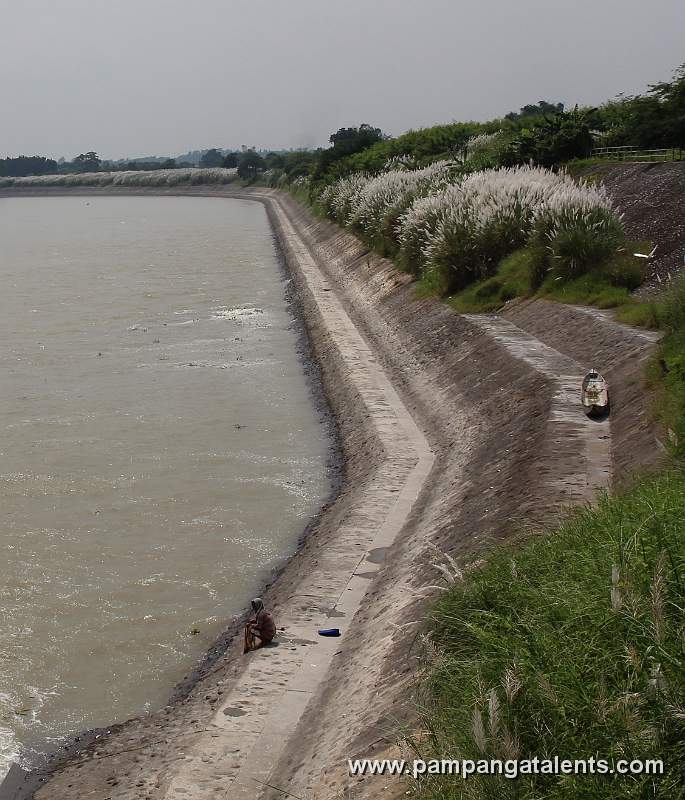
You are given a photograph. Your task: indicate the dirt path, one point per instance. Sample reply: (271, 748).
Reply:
(456, 431)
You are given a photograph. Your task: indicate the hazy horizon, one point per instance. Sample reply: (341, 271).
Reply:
(151, 78)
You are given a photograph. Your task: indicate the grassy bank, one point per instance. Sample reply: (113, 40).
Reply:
(666, 373)
(524, 274)
(571, 645)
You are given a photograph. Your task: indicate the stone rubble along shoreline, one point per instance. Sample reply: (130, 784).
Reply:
(491, 465)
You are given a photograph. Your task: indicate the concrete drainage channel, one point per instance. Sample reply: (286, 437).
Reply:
(576, 479)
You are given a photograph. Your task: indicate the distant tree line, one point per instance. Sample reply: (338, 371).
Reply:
(248, 162)
(26, 165)
(39, 165)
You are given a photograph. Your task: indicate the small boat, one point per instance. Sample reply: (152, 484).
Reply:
(594, 395)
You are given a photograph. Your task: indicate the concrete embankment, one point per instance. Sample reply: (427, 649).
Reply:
(455, 432)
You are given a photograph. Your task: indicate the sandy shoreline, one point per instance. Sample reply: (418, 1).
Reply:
(483, 412)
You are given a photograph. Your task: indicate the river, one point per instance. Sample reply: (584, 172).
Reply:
(162, 449)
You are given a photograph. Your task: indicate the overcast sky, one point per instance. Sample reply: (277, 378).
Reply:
(144, 77)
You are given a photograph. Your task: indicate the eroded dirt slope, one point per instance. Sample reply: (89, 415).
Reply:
(652, 200)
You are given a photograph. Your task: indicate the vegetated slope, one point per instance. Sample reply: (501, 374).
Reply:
(569, 645)
(652, 199)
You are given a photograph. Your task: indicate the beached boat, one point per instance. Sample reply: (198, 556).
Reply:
(594, 395)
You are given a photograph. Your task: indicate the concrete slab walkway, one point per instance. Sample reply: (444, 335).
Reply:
(576, 479)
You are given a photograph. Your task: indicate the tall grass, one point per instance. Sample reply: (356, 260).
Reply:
(480, 143)
(158, 177)
(579, 228)
(488, 150)
(371, 203)
(667, 371)
(489, 217)
(336, 199)
(452, 229)
(571, 645)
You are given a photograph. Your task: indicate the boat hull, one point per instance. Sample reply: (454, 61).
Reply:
(595, 411)
(594, 395)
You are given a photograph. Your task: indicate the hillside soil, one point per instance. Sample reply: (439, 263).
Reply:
(651, 198)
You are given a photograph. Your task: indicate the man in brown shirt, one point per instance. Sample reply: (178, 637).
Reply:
(261, 629)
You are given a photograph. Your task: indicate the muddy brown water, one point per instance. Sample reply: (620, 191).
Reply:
(161, 452)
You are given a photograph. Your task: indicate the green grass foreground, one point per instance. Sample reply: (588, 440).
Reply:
(571, 644)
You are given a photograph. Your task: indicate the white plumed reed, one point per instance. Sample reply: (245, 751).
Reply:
(157, 177)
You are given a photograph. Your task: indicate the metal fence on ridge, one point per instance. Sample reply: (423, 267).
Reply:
(628, 153)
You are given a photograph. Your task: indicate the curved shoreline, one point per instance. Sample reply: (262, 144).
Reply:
(486, 415)
(20, 784)
(395, 475)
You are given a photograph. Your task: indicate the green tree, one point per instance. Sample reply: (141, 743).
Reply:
(211, 158)
(250, 164)
(230, 161)
(274, 160)
(653, 120)
(87, 162)
(298, 162)
(555, 139)
(352, 140)
(535, 110)
(346, 142)
(170, 163)
(671, 99)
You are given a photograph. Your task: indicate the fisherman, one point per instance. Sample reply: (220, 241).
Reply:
(261, 629)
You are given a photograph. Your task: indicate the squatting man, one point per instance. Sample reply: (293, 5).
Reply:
(259, 630)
